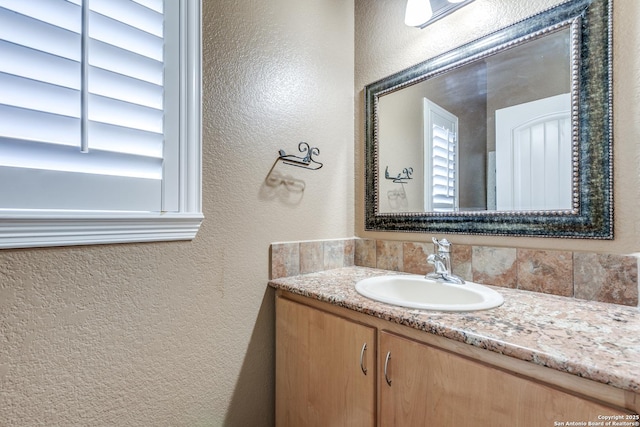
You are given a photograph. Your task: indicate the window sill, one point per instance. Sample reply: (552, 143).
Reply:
(80, 228)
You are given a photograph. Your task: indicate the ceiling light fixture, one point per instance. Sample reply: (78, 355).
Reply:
(420, 13)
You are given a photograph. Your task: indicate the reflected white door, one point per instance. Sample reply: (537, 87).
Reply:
(533, 155)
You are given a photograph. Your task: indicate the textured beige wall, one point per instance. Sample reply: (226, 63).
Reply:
(181, 334)
(384, 45)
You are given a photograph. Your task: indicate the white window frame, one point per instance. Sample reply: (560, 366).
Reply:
(431, 110)
(23, 228)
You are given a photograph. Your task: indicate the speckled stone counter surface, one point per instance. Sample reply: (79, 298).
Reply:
(594, 340)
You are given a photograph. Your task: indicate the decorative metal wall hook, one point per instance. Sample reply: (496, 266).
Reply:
(307, 162)
(401, 178)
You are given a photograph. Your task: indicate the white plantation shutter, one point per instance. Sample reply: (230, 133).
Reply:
(440, 158)
(44, 105)
(443, 169)
(99, 115)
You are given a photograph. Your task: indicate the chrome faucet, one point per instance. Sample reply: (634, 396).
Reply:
(441, 261)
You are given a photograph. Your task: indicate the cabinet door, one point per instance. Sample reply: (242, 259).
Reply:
(432, 387)
(321, 378)
(404, 383)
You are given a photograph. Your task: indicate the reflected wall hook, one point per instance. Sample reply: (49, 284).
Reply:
(307, 162)
(401, 178)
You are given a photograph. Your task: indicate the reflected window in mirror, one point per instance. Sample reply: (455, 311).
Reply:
(441, 152)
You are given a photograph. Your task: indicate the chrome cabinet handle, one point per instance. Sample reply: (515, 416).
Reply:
(362, 367)
(386, 364)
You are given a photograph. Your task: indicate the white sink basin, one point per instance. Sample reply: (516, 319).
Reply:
(418, 292)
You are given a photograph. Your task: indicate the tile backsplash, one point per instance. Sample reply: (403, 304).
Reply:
(583, 275)
(293, 258)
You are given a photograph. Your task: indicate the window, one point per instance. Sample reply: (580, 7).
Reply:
(99, 121)
(441, 151)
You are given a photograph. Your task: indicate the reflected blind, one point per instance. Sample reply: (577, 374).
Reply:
(81, 104)
(443, 169)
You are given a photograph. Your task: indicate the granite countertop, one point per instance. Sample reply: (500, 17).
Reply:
(593, 340)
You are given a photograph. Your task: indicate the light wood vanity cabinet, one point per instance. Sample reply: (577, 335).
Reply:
(433, 387)
(325, 376)
(414, 378)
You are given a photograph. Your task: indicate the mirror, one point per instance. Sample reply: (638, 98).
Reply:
(445, 130)
(507, 135)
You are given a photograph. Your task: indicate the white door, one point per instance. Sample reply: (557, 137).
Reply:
(533, 155)
(440, 159)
